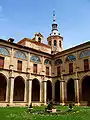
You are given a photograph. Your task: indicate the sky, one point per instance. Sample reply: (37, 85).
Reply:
(24, 18)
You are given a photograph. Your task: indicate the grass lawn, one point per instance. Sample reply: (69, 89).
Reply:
(15, 113)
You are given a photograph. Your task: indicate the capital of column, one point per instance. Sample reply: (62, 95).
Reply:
(76, 79)
(62, 80)
(11, 77)
(29, 79)
(44, 81)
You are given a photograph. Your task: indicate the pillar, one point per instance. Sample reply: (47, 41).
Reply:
(30, 91)
(62, 92)
(45, 92)
(77, 91)
(7, 91)
(41, 92)
(11, 89)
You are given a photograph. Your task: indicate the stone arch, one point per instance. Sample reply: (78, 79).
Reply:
(3, 85)
(57, 91)
(35, 90)
(86, 89)
(49, 90)
(19, 88)
(70, 90)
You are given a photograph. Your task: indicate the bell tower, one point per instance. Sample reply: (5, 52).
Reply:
(55, 40)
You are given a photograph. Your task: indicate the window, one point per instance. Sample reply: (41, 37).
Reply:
(58, 62)
(47, 62)
(35, 68)
(35, 59)
(70, 58)
(39, 39)
(70, 67)
(86, 65)
(49, 43)
(1, 62)
(55, 43)
(19, 65)
(60, 43)
(19, 54)
(58, 70)
(47, 70)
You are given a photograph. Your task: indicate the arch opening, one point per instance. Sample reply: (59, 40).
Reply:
(70, 90)
(19, 87)
(57, 91)
(3, 85)
(49, 90)
(86, 89)
(35, 90)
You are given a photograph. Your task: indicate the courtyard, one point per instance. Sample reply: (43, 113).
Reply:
(20, 113)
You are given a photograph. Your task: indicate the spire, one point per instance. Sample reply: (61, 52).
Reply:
(54, 25)
(54, 17)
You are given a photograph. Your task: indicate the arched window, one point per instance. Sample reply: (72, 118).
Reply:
(49, 43)
(47, 61)
(60, 43)
(58, 62)
(39, 39)
(4, 51)
(35, 59)
(19, 54)
(85, 53)
(55, 43)
(70, 58)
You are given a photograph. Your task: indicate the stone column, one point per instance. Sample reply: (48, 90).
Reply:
(7, 91)
(30, 91)
(77, 91)
(62, 92)
(25, 92)
(41, 92)
(11, 89)
(45, 91)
